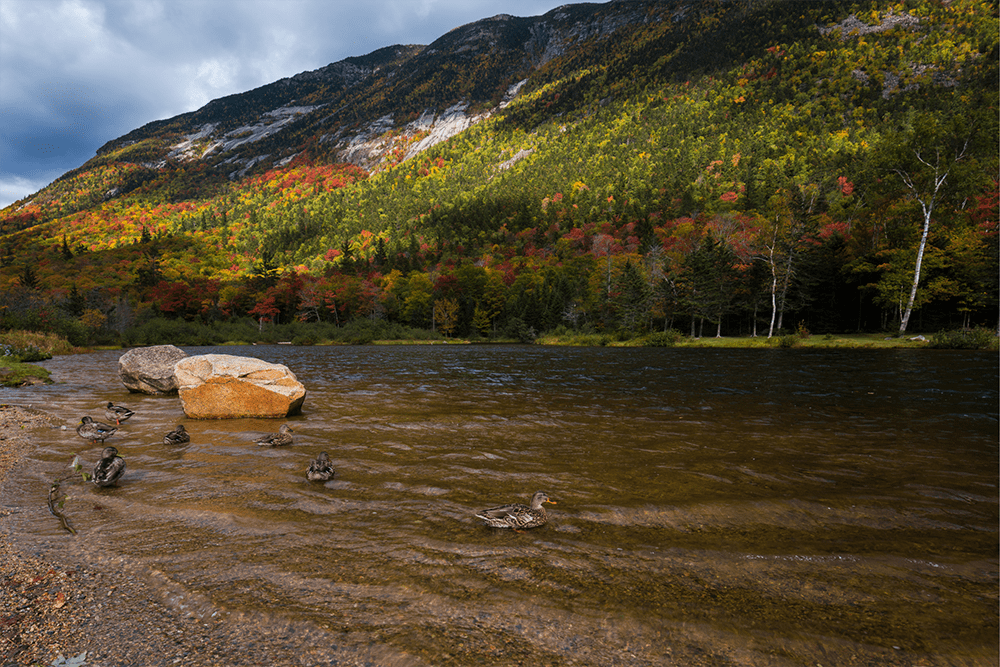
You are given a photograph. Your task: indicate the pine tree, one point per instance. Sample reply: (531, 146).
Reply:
(346, 258)
(75, 302)
(381, 257)
(632, 297)
(28, 277)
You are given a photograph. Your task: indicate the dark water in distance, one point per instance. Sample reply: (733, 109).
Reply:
(772, 507)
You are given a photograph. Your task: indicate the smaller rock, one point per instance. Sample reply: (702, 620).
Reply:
(150, 370)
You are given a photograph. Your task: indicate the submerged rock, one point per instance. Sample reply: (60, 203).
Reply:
(224, 386)
(150, 370)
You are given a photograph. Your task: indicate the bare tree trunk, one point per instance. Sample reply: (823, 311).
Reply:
(927, 203)
(784, 292)
(774, 290)
(920, 258)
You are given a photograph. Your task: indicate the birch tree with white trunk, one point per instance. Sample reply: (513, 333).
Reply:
(929, 157)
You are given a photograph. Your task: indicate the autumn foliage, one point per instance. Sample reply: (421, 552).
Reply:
(626, 189)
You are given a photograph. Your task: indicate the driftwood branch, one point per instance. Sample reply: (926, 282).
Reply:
(55, 501)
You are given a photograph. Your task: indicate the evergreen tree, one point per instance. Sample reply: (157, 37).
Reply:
(75, 302)
(381, 258)
(708, 281)
(347, 264)
(28, 277)
(632, 298)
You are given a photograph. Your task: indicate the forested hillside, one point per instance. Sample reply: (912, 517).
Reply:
(719, 168)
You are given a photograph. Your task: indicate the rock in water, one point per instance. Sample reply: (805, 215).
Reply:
(224, 386)
(150, 370)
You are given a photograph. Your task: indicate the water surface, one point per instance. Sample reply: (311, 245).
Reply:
(785, 507)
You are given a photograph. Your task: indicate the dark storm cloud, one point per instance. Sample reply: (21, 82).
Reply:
(75, 74)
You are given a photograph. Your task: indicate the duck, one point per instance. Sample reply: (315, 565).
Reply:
(517, 515)
(94, 431)
(178, 436)
(117, 413)
(282, 437)
(110, 468)
(320, 470)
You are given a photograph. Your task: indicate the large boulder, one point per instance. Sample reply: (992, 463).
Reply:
(150, 370)
(223, 386)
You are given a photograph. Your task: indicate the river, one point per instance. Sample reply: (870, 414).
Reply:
(778, 507)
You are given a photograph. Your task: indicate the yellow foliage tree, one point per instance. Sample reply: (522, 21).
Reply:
(446, 315)
(93, 319)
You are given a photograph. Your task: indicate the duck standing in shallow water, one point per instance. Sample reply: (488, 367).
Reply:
(117, 413)
(282, 437)
(110, 468)
(94, 431)
(178, 436)
(320, 470)
(516, 515)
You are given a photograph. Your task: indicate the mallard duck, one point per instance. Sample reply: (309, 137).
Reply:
(320, 470)
(282, 437)
(516, 515)
(177, 437)
(117, 413)
(110, 468)
(94, 431)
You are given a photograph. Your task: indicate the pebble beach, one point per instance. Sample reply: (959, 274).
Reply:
(85, 615)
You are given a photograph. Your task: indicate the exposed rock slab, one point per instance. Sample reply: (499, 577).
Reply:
(150, 370)
(224, 386)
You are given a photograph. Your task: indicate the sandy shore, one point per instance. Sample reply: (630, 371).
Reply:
(116, 616)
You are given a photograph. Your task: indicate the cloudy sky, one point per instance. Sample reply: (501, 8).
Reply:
(75, 74)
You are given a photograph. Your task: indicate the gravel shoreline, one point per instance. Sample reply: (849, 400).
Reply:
(115, 616)
(50, 610)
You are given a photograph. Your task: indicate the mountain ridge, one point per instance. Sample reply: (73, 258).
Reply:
(540, 39)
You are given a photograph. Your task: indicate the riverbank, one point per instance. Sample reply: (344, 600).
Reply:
(14, 374)
(52, 613)
(672, 339)
(17, 374)
(51, 610)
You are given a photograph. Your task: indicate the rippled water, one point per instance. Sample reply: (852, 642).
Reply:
(714, 507)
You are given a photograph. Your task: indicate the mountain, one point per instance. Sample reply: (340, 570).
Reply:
(627, 166)
(348, 107)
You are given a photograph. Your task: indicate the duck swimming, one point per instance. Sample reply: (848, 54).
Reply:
(177, 437)
(110, 468)
(516, 515)
(320, 470)
(94, 431)
(282, 437)
(117, 413)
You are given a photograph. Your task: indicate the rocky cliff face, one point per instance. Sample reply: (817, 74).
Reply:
(397, 100)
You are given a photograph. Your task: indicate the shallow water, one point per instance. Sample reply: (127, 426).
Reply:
(784, 507)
